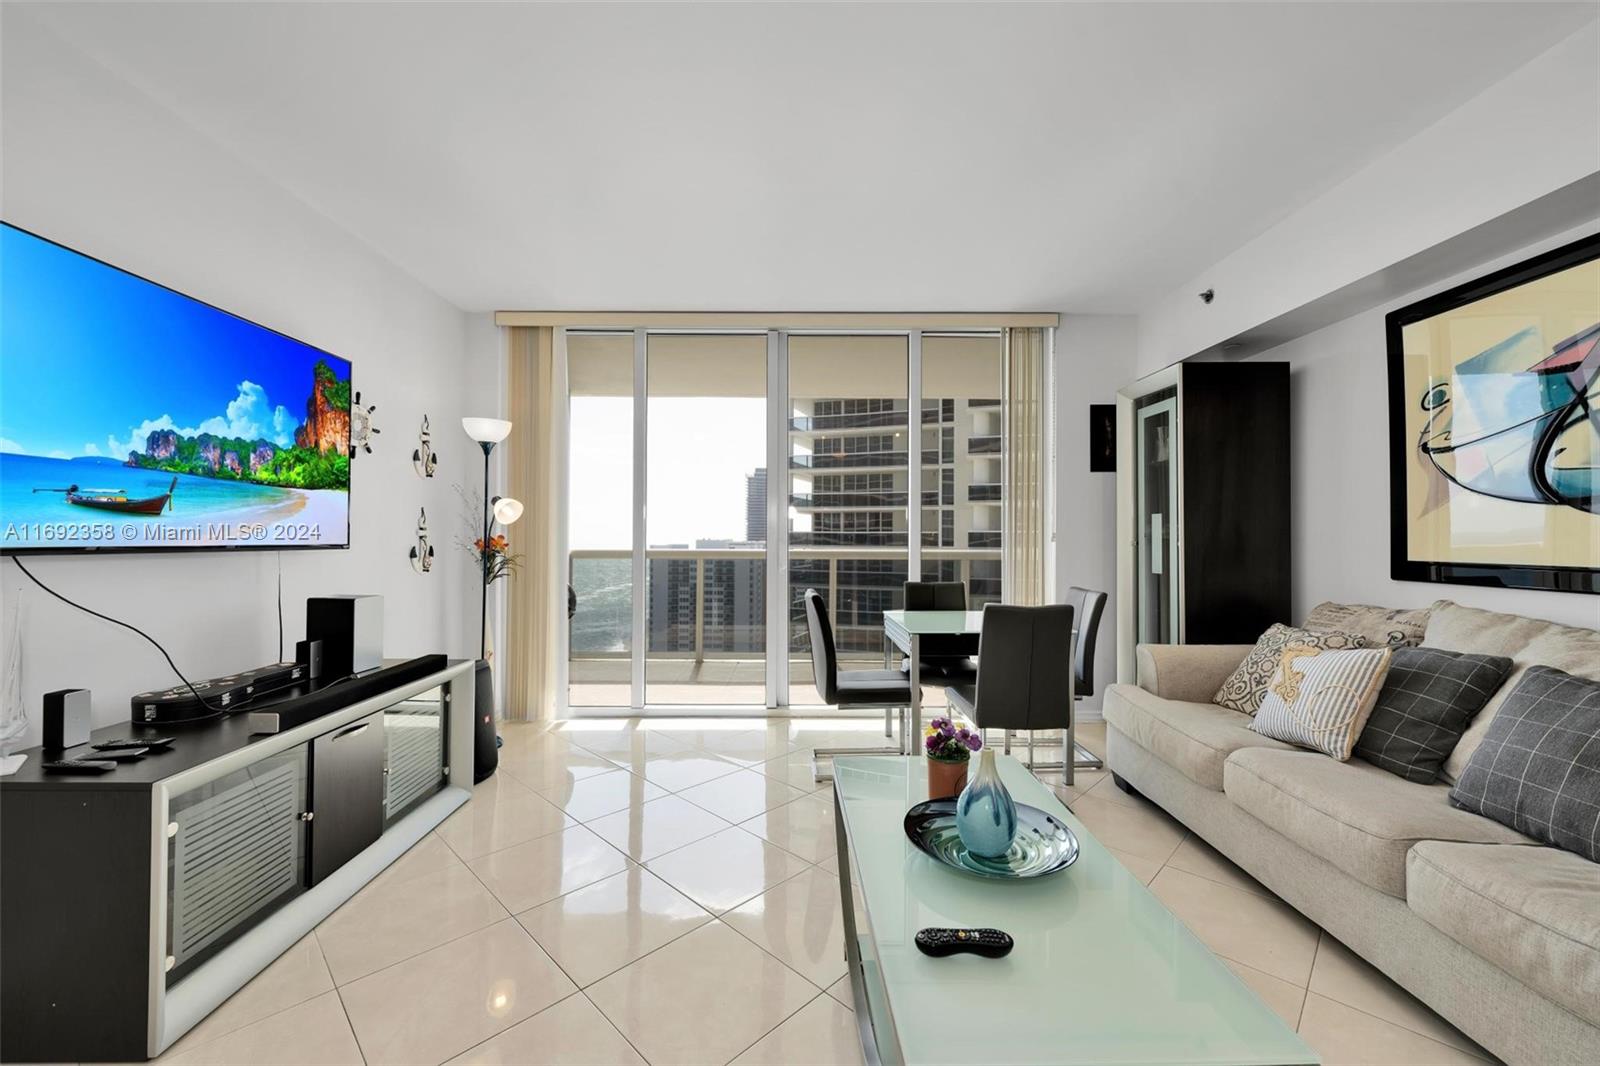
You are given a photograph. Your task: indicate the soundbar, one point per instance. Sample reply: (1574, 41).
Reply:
(333, 694)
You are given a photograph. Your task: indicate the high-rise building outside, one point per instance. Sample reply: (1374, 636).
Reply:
(848, 488)
(755, 506)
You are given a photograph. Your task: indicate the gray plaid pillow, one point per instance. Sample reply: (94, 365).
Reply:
(1429, 698)
(1538, 768)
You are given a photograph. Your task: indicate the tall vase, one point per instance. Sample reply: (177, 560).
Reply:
(488, 646)
(986, 815)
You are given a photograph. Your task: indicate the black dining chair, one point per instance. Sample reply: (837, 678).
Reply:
(1024, 683)
(946, 657)
(1088, 605)
(889, 689)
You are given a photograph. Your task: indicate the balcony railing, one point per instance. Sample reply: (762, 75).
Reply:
(858, 420)
(983, 493)
(833, 501)
(984, 445)
(711, 603)
(844, 538)
(856, 460)
(844, 460)
(814, 500)
(983, 538)
(931, 416)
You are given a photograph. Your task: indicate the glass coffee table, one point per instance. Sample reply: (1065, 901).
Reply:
(1101, 971)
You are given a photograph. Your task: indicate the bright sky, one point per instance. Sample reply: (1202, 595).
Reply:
(701, 450)
(93, 359)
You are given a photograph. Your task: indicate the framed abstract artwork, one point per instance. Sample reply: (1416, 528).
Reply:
(1494, 428)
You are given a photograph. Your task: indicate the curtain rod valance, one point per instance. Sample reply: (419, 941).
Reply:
(931, 320)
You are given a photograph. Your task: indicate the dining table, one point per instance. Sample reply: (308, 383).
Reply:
(905, 630)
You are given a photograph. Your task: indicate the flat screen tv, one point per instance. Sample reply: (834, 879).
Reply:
(135, 418)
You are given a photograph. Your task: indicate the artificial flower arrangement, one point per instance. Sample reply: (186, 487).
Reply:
(949, 747)
(945, 740)
(497, 562)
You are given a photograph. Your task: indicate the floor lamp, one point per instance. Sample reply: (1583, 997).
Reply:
(487, 432)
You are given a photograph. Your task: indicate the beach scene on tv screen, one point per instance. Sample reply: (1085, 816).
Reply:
(132, 416)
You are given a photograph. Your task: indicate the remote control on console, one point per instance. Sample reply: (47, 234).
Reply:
(119, 754)
(78, 766)
(990, 943)
(161, 743)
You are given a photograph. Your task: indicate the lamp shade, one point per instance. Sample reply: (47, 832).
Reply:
(486, 430)
(507, 510)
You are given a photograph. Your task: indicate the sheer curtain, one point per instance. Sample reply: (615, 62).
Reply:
(536, 592)
(1022, 551)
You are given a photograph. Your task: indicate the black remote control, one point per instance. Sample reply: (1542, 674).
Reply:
(79, 766)
(119, 754)
(990, 943)
(161, 743)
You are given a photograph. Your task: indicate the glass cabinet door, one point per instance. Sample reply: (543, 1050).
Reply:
(1156, 489)
(414, 752)
(236, 851)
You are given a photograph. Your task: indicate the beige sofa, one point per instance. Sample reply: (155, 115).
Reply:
(1498, 934)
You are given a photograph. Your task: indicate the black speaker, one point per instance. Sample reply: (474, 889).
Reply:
(308, 653)
(66, 719)
(485, 752)
(351, 631)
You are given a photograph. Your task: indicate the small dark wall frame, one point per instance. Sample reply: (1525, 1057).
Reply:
(1402, 444)
(1102, 438)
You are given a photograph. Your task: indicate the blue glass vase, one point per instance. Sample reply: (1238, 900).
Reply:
(986, 815)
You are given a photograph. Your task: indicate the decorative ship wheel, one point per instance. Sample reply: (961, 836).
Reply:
(361, 428)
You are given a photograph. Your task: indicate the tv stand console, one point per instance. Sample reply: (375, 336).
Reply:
(137, 901)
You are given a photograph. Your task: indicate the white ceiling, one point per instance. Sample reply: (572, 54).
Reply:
(1076, 157)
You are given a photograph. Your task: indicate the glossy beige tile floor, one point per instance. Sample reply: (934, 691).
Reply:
(666, 891)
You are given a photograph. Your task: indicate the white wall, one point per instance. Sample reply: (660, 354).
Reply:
(91, 162)
(1339, 397)
(1532, 133)
(1094, 358)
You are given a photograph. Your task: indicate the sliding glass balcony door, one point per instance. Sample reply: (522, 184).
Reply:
(600, 519)
(963, 461)
(706, 459)
(713, 477)
(850, 469)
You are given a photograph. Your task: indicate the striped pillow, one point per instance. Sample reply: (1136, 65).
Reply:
(1321, 699)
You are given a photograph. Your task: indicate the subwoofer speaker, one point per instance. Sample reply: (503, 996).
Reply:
(485, 751)
(351, 631)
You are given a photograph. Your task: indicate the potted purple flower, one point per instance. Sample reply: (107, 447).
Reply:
(949, 747)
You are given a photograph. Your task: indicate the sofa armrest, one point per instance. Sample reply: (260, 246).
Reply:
(1191, 672)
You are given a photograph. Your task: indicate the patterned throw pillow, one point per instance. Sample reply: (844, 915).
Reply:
(1248, 685)
(1426, 703)
(1321, 699)
(1382, 626)
(1538, 768)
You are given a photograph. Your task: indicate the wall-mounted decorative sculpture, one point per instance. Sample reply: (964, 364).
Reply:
(422, 551)
(361, 428)
(423, 458)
